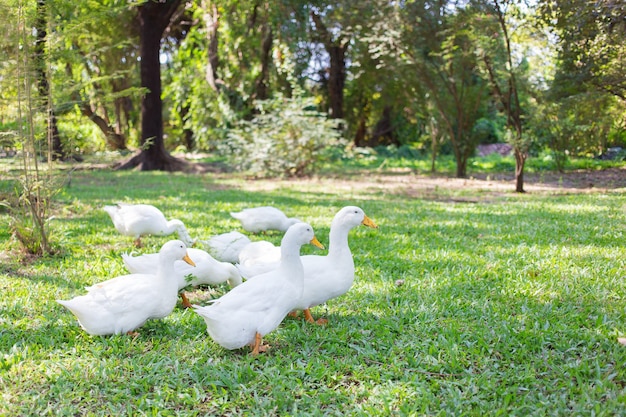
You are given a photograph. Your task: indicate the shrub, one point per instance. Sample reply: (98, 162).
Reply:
(287, 137)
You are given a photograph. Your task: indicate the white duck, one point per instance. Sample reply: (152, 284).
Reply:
(260, 219)
(251, 310)
(258, 257)
(122, 304)
(326, 277)
(207, 270)
(226, 246)
(137, 220)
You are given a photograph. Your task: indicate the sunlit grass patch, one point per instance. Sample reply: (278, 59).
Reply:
(463, 303)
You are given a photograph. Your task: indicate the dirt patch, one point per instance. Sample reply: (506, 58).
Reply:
(600, 180)
(440, 187)
(407, 182)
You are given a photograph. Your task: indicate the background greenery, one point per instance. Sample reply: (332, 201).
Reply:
(468, 301)
(426, 76)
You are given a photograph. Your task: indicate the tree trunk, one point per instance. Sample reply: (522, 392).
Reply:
(151, 104)
(43, 86)
(433, 156)
(510, 100)
(461, 167)
(211, 19)
(336, 50)
(336, 79)
(153, 20)
(384, 131)
(458, 147)
(115, 139)
(434, 144)
(361, 130)
(266, 51)
(520, 160)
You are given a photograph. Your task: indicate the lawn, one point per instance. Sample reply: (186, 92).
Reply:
(469, 300)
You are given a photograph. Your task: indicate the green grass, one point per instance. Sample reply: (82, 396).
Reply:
(510, 305)
(446, 164)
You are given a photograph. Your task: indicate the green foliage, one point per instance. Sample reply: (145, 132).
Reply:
(572, 125)
(405, 158)
(585, 105)
(29, 209)
(81, 138)
(208, 111)
(34, 188)
(287, 137)
(190, 103)
(590, 45)
(484, 131)
(440, 58)
(421, 64)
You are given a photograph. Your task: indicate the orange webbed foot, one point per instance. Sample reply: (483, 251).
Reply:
(258, 346)
(309, 318)
(185, 300)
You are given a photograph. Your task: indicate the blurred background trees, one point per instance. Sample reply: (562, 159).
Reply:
(417, 77)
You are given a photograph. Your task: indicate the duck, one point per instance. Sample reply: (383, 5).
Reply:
(245, 314)
(207, 270)
(138, 220)
(226, 247)
(330, 276)
(258, 257)
(124, 303)
(262, 219)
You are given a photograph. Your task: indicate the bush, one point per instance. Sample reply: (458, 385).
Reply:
(287, 137)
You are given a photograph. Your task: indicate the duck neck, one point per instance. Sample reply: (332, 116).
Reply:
(290, 258)
(338, 240)
(166, 272)
(183, 234)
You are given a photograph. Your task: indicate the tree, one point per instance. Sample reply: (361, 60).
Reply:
(502, 74)
(588, 93)
(590, 40)
(380, 107)
(97, 66)
(578, 125)
(153, 18)
(336, 46)
(228, 60)
(435, 47)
